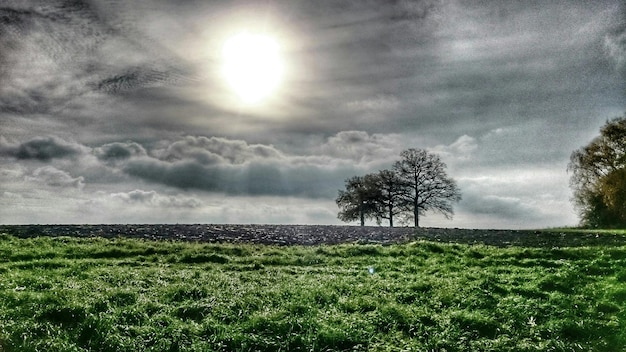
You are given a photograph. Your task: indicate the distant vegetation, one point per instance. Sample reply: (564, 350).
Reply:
(577, 230)
(78, 294)
(599, 177)
(417, 183)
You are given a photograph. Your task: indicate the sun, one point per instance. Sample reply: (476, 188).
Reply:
(252, 66)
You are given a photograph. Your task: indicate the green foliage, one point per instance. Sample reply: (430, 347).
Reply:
(70, 294)
(599, 177)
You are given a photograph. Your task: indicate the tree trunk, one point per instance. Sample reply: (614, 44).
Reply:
(362, 213)
(417, 217)
(390, 215)
(416, 213)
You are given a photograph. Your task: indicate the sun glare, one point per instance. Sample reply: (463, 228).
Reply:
(252, 66)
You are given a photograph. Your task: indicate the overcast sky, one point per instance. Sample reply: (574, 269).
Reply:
(117, 111)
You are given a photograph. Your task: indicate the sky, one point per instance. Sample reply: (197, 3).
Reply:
(117, 111)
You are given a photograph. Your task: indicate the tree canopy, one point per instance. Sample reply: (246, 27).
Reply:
(599, 177)
(417, 183)
(359, 200)
(428, 187)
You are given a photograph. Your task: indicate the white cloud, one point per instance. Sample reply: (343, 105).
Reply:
(361, 147)
(51, 176)
(212, 150)
(381, 103)
(514, 197)
(461, 150)
(11, 173)
(615, 46)
(154, 199)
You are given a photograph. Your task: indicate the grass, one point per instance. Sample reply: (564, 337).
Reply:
(586, 231)
(71, 294)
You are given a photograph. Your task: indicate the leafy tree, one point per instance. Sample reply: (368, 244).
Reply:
(599, 177)
(428, 187)
(359, 200)
(613, 189)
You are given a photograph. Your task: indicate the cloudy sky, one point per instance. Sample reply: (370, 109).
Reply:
(117, 111)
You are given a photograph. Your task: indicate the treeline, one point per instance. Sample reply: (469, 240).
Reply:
(417, 183)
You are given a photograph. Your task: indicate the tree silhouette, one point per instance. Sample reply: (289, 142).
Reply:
(390, 189)
(359, 199)
(418, 183)
(599, 177)
(428, 187)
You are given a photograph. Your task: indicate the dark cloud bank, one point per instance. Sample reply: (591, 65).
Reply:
(183, 172)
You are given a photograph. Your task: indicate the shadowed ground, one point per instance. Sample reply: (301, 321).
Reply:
(322, 234)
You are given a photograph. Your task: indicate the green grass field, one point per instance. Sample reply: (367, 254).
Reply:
(70, 294)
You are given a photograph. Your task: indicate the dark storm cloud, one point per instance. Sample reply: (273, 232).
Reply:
(41, 148)
(234, 167)
(183, 175)
(119, 151)
(209, 164)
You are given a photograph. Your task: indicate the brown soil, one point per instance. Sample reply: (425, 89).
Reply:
(318, 234)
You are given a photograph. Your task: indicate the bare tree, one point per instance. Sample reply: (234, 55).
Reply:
(428, 187)
(359, 200)
(390, 188)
